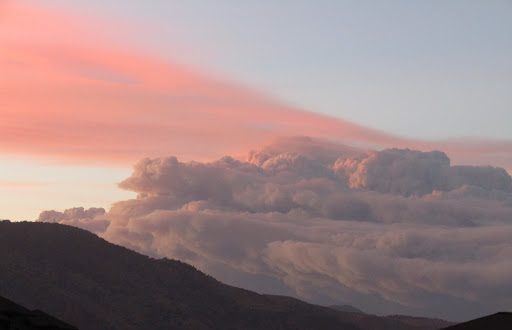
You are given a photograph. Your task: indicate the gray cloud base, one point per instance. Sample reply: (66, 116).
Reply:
(392, 231)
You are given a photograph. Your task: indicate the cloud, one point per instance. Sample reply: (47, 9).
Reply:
(410, 172)
(73, 92)
(91, 219)
(68, 92)
(391, 231)
(21, 184)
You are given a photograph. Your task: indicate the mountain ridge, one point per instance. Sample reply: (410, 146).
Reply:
(92, 284)
(496, 321)
(14, 316)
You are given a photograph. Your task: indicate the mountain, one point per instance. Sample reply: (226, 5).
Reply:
(498, 321)
(14, 316)
(415, 322)
(412, 322)
(93, 284)
(346, 308)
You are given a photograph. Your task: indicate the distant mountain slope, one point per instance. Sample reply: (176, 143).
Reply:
(411, 322)
(346, 308)
(498, 321)
(415, 322)
(92, 284)
(16, 317)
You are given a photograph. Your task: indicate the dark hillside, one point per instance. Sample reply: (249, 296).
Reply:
(16, 317)
(498, 321)
(92, 284)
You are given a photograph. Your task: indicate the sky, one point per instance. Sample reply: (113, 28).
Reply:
(409, 73)
(433, 69)
(336, 151)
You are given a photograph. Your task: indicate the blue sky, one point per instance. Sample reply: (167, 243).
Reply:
(428, 69)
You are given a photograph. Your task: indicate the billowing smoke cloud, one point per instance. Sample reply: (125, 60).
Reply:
(90, 219)
(409, 172)
(392, 231)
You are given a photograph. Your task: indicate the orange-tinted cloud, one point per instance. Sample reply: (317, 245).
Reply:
(20, 184)
(66, 93)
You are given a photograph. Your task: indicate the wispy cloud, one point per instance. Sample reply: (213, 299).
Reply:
(68, 93)
(21, 184)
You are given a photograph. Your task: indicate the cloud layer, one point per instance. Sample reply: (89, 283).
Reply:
(391, 231)
(70, 92)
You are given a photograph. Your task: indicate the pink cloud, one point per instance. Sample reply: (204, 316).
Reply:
(68, 94)
(21, 184)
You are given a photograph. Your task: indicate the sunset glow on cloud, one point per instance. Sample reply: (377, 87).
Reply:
(173, 150)
(69, 95)
(84, 102)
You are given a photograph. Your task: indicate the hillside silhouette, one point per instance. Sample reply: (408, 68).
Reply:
(497, 321)
(16, 317)
(84, 280)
